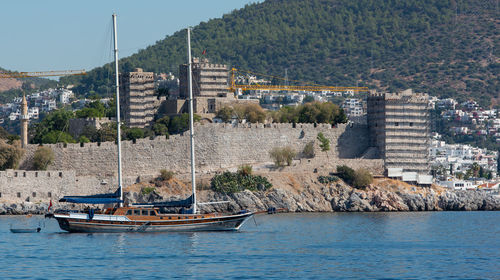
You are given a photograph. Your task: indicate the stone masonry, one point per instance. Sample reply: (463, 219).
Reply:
(90, 168)
(138, 100)
(218, 146)
(18, 186)
(399, 125)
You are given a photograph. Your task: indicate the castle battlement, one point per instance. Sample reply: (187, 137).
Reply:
(39, 174)
(218, 145)
(91, 168)
(223, 127)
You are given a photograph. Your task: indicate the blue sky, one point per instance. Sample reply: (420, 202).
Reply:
(71, 35)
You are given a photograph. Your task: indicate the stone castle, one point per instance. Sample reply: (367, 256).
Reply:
(91, 167)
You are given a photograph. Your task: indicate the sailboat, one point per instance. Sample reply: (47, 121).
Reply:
(146, 217)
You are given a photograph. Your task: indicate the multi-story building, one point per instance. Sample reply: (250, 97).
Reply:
(65, 95)
(353, 107)
(138, 99)
(210, 86)
(209, 79)
(400, 129)
(459, 157)
(33, 113)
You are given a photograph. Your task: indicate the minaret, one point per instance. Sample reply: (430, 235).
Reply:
(24, 122)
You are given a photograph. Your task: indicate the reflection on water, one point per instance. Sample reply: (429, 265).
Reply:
(119, 246)
(334, 245)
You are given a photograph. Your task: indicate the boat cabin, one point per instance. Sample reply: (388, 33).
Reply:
(134, 213)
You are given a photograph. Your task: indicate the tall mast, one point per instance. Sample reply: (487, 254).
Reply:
(191, 134)
(119, 145)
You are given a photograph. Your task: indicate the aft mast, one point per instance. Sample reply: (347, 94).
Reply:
(118, 113)
(191, 134)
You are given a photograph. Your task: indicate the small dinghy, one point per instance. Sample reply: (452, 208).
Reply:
(27, 226)
(25, 230)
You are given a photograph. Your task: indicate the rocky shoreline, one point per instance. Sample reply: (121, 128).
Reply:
(303, 193)
(342, 198)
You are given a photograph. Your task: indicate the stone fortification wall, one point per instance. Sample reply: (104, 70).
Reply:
(91, 168)
(217, 146)
(41, 186)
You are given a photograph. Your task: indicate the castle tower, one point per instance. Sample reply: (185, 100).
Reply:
(24, 123)
(138, 101)
(399, 125)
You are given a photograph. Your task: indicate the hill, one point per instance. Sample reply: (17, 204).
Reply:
(447, 48)
(10, 88)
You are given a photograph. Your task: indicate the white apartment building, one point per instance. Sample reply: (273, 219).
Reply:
(461, 157)
(33, 113)
(353, 107)
(65, 95)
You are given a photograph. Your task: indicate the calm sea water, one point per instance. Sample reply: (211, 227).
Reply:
(428, 245)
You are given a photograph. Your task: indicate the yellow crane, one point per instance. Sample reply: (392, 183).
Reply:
(233, 86)
(15, 75)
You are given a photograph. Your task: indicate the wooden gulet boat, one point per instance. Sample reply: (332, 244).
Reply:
(130, 219)
(145, 218)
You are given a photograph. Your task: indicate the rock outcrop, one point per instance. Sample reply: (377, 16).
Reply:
(303, 193)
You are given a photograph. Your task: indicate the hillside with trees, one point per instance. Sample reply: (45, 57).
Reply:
(447, 48)
(10, 88)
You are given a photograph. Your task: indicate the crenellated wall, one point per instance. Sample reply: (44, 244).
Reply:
(217, 146)
(92, 168)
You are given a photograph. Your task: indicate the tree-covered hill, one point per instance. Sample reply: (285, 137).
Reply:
(10, 88)
(443, 47)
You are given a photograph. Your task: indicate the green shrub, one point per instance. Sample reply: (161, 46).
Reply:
(166, 175)
(134, 133)
(311, 112)
(245, 170)
(346, 173)
(229, 182)
(324, 142)
(362, 178)
(56, 136)
(280, 156)
(327, 179)
(147, 190)
(10, 155)
(160, 127)
(308, 151)
(43, 158)
(225, 113)
(83, 139)
(253, 113)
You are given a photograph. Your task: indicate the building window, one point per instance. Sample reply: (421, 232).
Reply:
(60, 174)
(49, 194)
(15, 174)
(411, 124)
(18, 194)
(396, 124)
(36, 174)
(34, 194)
(24, 174)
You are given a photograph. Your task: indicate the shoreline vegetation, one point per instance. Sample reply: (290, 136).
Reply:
(300, 192)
